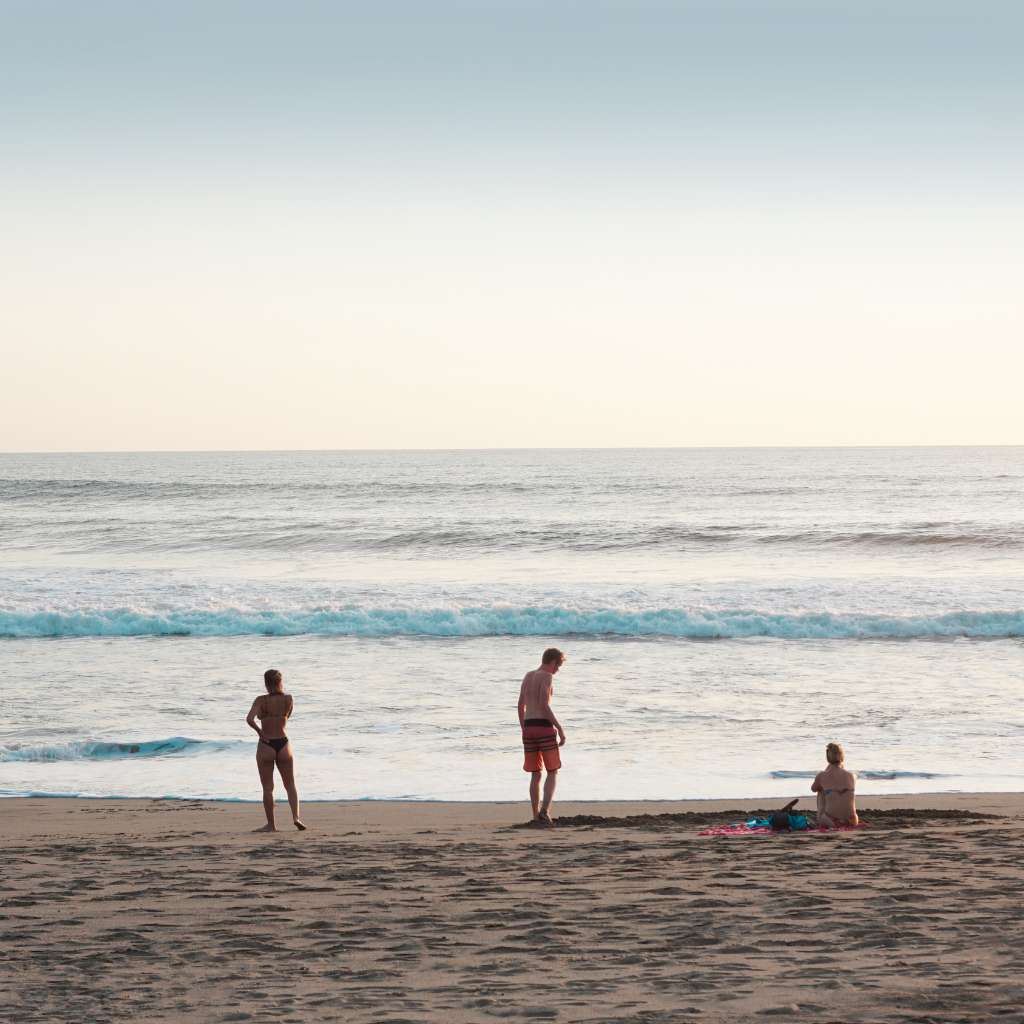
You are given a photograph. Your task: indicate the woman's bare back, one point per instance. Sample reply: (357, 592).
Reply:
(836, 786)
(273, 712)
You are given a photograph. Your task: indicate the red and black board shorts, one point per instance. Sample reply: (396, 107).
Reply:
(540, 746)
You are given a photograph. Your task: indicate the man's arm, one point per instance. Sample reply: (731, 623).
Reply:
(549, 714)
(522, 703)
(250, 719)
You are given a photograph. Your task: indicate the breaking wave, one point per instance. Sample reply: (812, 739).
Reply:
(105, 750)
(877, 775)
(507, 620)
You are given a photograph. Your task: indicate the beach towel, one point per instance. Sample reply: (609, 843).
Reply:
(762, 827)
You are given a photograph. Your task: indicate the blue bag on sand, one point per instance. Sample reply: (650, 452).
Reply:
(780, 820)
(796, 823)
(784, 820)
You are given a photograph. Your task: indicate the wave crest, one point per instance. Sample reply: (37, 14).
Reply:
(502, 620)
(106, 750)
(883, 774)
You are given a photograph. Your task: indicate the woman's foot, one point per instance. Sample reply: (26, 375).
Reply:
(266, 828)
(544, 820)
(299, 825)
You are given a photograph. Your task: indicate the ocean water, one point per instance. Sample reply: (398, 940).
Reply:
(725, 612)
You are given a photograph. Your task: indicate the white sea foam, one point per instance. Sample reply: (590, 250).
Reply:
(552, 621)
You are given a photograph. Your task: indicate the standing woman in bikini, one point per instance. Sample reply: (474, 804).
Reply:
(273, 709)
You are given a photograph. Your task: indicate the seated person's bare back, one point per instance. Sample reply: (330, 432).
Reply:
(835, 788)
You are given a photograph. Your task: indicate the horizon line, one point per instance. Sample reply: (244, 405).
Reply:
(506, 448)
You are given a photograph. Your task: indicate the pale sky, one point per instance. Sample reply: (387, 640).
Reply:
(452, 224)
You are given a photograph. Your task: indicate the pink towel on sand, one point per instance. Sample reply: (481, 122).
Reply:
(746, 830)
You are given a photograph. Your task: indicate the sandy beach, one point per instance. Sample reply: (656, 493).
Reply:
(175, 910)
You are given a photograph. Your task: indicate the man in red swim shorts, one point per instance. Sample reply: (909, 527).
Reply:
(542, 732)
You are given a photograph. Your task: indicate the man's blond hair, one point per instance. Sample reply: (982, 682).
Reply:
(552, 654)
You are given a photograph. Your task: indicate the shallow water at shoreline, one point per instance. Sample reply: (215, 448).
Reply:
(725, 611)
(418, 718)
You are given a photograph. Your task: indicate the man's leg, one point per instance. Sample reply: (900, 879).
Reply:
(535, 794)
(549, 791)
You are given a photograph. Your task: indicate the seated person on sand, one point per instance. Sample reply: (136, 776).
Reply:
(834, 787)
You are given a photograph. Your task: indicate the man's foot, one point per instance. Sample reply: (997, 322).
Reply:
(299, 825)
(266, 828)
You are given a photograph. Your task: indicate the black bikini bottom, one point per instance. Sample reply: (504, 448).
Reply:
(277, 744)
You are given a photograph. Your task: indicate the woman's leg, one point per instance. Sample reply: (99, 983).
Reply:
(286, 766)
(265, 765)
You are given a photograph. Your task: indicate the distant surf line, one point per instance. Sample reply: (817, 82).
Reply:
(502, 620)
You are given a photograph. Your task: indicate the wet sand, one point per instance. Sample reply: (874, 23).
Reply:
(153, 910)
